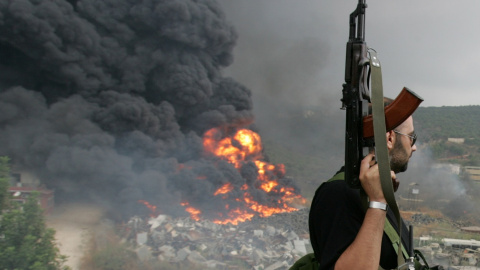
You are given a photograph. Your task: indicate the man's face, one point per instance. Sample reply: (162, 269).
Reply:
(403, 148)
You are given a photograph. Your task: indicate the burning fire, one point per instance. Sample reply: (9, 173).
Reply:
(244, 146)
(245, 143)
(153, 208)
(194, 213)
(239, 149)
(224, 189)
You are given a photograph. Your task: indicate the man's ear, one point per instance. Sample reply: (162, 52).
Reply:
(391, 139)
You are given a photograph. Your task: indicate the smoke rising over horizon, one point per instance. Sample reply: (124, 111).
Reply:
(110, 99)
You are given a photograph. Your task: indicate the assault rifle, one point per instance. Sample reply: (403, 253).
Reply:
(357, 98)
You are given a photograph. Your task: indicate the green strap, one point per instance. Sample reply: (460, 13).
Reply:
(394, 237)
(381, 151)
(307, 262)
(338, 176)
(418, 265)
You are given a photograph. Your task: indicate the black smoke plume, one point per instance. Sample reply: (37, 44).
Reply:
(108, 100)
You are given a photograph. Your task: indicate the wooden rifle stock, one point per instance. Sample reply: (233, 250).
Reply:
(395, 113)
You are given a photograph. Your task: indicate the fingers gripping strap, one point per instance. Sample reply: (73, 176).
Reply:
(381, 151)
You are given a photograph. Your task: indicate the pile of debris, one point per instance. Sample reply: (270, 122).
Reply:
(425, 219)
(262, 243)
(420, 218)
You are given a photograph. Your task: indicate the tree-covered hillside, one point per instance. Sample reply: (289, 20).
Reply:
(434, 123)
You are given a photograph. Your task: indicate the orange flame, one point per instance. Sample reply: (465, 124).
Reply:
(242, 147)
(245, 145)
(194, 213)
(224, 189)
(153, 208)
(248, 143)
(236, 216)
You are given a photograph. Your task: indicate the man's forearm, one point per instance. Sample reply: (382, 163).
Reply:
(364, 252)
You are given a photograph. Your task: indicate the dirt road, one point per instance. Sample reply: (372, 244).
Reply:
(74, 224)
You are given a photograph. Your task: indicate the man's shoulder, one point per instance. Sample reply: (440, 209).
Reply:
(336, 181)
(339, 176)
(335, 187)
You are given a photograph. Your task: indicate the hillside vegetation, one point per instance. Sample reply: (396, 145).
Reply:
(435, 125)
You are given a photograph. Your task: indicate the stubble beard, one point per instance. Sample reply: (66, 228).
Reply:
(399, 158)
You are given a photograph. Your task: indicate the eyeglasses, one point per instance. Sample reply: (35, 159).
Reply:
(413, 137)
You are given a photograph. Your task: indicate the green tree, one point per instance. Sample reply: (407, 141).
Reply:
(4, 182)
(25, 241)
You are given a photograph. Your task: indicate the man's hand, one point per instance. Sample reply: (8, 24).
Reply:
(364, 251)
(370, 179)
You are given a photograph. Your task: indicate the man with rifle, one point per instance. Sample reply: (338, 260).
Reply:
(342, 233)
(354, 218)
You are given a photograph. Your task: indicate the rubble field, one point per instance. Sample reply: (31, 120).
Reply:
(269, 243)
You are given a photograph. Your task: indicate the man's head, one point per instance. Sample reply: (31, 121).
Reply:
(400, 142)
(401, 145)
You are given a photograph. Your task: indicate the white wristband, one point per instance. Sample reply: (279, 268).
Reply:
(378, 205)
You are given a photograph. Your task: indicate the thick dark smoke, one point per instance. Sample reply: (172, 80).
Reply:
(104, 100)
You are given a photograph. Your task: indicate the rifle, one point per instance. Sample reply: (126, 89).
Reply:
(362, 67)
(357, 98)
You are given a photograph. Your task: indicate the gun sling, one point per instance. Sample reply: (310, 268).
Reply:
(381, 151)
